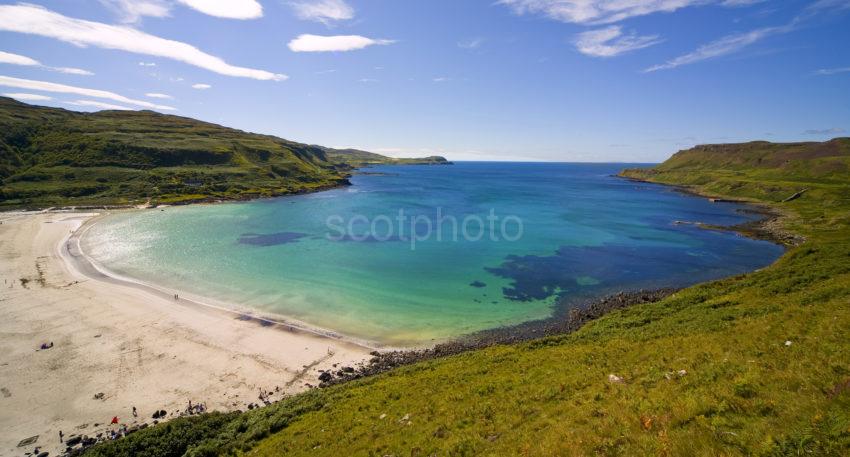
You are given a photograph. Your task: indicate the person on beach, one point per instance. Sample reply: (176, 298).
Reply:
(135, 413)
(61, 436)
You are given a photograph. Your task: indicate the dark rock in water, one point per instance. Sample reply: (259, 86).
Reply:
(478, 284)
(326, 376)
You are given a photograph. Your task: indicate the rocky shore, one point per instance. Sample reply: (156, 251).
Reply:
(567, 321)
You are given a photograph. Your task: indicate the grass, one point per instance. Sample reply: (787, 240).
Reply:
(55, 157)
(765, 355)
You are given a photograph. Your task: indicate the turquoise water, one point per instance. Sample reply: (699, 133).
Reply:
(577, 233)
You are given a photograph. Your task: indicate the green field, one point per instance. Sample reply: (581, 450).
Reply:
(766, 358)
(54, 157)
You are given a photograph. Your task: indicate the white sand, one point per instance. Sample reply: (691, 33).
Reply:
(139, 348)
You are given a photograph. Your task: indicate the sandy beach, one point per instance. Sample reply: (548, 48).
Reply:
(116, 346)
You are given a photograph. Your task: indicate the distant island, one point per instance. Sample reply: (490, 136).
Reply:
(51, 157)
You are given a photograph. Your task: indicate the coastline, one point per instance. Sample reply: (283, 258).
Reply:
(135, 347)
(317, 372)
(568, 318)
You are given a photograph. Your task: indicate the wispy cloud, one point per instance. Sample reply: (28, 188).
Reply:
(367, 80)
(738, 3)
(99, 105)
(829, 5)
(147, 64)
(610, 42)
(596, 11)
(28, 97)
(721, 47)
(339, 43)
(158, 95)
(441, 79)
(201, 86)
(72, 71)
(230, 9)
(46, 86)
(830, 131)
(471, 43)
(324, 11)
(17, 59)
(832, 71)
(132, 11)
(36, 20)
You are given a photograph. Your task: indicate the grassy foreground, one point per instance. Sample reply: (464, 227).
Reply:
(757, 364)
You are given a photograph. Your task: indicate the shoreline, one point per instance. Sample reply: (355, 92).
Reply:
(74, 255)
(116, 347)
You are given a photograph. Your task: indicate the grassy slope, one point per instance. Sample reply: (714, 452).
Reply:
(745, 391)
(50, 156)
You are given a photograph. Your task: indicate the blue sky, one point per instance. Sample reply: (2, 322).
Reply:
(564, 80)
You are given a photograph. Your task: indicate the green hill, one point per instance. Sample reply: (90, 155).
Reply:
(55, 157)
(356, 157)
(757, 364)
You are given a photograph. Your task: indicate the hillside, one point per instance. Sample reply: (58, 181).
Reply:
(757, 364)
(358, 158)
(55, 157)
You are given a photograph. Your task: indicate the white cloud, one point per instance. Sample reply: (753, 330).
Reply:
(596, 11)
(316, 43)
(17, 59)
(231, 9)
(100, 105)
(610, 41)
(324, 11)
(441, 79)
(72, 71)
(37, 20)
(45, 86)
(201, 86)
(147, 64)
(368, 80)
(721, 47)
(158, 95)
(472, 43)
(132, 11)
(832, 71)
(28, 97)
